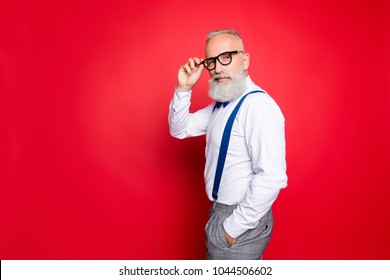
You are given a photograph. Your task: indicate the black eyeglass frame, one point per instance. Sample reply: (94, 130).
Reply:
(215, 58)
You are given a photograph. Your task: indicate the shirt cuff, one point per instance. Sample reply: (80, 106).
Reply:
(180, 98)
(232, 227)
(182, 93)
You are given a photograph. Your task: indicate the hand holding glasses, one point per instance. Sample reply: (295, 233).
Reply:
(190, 72)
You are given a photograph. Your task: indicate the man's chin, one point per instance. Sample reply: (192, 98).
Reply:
(219, 98)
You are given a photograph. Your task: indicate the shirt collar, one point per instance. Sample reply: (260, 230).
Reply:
(249, 83)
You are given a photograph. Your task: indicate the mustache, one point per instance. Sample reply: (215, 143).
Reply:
(219, 76)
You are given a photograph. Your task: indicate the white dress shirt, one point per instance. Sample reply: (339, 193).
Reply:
(255, 166)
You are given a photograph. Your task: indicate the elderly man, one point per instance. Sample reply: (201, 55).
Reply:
(245, 147)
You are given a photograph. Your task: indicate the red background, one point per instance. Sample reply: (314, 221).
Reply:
(89, 170)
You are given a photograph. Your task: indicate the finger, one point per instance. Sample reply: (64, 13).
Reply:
(200, 69)
(187, 68)
(198, 61)
(191, 63)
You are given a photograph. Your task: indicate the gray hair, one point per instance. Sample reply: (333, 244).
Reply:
(214, 33)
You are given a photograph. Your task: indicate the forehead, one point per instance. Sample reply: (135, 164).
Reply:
(222, 43)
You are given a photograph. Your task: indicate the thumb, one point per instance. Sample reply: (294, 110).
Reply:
(200, 69)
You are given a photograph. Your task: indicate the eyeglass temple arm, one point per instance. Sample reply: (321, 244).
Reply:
(198, 64)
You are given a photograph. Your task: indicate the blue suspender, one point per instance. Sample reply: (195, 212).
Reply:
(224, 145)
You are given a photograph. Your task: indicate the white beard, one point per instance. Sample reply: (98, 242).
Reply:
(229, 90)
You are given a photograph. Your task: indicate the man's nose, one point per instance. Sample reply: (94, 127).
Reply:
(218, 67)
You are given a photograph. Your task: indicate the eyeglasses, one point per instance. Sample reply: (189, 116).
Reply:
(224, 58)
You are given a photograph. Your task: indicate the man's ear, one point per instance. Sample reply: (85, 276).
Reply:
(246, 62)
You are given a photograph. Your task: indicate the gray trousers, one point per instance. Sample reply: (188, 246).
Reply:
(249, 246)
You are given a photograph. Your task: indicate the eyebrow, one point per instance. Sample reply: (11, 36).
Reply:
(218, 54)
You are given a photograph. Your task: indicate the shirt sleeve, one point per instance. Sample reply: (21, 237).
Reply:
(265, 139)
(182, 123)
